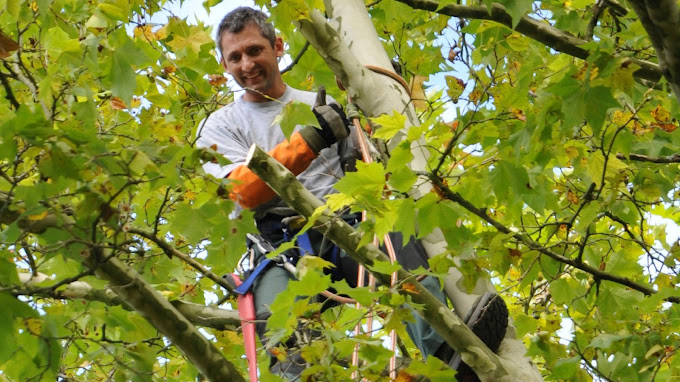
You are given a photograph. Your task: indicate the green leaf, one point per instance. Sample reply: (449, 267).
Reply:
(123, 83)
(387, 126)
(566, 289)
(368, 181)
(600, 100)
(605, 341)
(510, 176)
(58, 42)
(517, 8)
(384, 267)
(295, 114)
(455, 88)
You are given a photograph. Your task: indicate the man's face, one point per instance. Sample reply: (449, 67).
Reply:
(252, 61)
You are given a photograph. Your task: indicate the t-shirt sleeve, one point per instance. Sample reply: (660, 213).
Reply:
(213, 133)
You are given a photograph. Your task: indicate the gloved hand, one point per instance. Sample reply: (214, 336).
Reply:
(333, 122)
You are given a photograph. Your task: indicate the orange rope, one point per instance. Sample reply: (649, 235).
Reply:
(392, 75)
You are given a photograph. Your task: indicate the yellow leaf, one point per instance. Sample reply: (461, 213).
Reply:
(403, 376)
(33, 325)
(39, 216)
(417, 92)
(660, 114)
(621, 117)
(519, 114)
(144, 31)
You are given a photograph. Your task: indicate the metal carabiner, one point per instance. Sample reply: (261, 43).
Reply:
(283, 261)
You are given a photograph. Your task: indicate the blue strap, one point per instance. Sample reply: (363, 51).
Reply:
(335, 259)
(305, 244)
(248, 283)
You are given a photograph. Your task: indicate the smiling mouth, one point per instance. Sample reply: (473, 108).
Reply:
(252, 77)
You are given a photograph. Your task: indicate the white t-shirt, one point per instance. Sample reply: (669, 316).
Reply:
(236, 126)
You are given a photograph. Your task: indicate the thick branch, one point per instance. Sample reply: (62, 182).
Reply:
(524, 239)
(675, 158)
(537, 30)
(148, 302)
(661, 20)
(486, 364)
(197, 314)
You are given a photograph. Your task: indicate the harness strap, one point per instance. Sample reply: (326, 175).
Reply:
(305, 245)
(248, 283)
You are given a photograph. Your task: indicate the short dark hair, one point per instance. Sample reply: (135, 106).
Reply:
(239, 18)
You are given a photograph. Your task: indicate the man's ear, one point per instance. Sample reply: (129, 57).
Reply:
(224, 64)
(278, 47)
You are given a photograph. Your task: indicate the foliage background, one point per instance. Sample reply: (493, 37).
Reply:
(551, 179)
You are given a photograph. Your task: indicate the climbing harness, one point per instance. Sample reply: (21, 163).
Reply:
(260, 246)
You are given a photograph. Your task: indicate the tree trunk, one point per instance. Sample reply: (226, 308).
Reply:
(348, 42)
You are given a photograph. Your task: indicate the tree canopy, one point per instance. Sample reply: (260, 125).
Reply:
(547, 130)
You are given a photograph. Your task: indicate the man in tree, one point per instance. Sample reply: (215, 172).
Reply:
(250, 51)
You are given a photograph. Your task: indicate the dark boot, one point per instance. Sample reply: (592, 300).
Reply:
(488, 319)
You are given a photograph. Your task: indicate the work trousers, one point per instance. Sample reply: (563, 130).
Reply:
(275, 279)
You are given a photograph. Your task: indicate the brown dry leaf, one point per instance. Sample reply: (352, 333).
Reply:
(519, 114)
(217, 80)
(410, 288)
(572, 197)
(452, 54)
(403, 376)
(7, 45)
(667, 127)
(513, 252)
(475, 96)
(118, 104)
(169, 70)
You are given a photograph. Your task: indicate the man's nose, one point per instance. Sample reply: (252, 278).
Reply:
(246, 63)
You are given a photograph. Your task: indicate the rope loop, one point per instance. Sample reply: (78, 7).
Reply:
(392, 75)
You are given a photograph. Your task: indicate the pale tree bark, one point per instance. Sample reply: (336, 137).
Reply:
(348, 42)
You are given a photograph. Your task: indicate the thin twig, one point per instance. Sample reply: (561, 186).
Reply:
(297, 58)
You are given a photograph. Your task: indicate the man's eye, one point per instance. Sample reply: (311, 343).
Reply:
(254, 51)
(234, 58)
